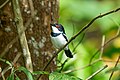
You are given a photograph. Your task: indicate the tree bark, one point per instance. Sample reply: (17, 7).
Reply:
(37, 31)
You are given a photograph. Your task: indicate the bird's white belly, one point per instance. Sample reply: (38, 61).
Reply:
(59, 41)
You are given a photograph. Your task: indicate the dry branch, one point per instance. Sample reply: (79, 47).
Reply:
(88, 65)
(22, 37)
(105, 43)
(114, 67)
(102, 46)
(1, 6)
(98, 71)
(32, 8)
(10, 65)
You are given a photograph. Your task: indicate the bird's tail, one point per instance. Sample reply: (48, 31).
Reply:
(68, 53)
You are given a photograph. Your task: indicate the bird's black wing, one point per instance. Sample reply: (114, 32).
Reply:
(65, 37)
(55, 34)
(63, 30)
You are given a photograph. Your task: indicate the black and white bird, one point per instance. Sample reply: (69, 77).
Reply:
(59, 39)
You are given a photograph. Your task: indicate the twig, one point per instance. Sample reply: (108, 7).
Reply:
(107, 41)
(5, 70)
(117, 34)
(114, 67)
(31, 7)
(102, 46)
(17, 57)
(11, 64)
(6, 1)
(88, 65)
(6, 49)
(22, 37)
(98, 71)
(63, 64)
(111, 61)
(72, 38)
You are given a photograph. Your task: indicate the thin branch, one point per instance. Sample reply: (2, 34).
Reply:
(5, 70)
(6, 1)
(22, 37)
(82, 30)
(31, 7)
(11, 64)
(17, 57)
(111, 61)
(102, 46)
(88, 65)
(63, 64)
(117, 34)
(98, 71)
(114, 67)
(6, 49)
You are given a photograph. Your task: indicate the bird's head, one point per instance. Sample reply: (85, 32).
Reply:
(57, 28)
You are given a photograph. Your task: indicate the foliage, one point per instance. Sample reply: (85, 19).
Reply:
(30, 76)
(14, 70)
(61, 76)
(20, 69)
(74, 14)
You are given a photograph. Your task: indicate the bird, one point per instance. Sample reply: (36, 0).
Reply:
(59, 38)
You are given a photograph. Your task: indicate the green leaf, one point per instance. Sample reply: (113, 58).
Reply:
(11, 77)
(28, 73)
(62, 76)
(17, 78)
(40, 72)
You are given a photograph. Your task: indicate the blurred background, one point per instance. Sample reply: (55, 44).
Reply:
(74, 15)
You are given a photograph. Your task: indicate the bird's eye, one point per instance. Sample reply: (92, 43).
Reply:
(57, 26)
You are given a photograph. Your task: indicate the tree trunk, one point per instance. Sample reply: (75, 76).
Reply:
(37, 16)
